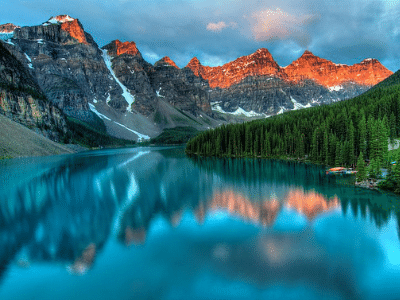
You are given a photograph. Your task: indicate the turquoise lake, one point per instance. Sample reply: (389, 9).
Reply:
(152, 223)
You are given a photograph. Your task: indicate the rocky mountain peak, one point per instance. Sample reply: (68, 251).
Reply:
(309, 58)
(307, 53)
(126, 47)
(326, 73)
(60, 19)
(258, 63)
(370, 61)
(169, 61)
(8, 28)
(70, 25)
(74, 28)
(261, 53)
(195, 65)
(116, 48)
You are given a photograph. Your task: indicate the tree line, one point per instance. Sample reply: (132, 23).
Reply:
(333, 135)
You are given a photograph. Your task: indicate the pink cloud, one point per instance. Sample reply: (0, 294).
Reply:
(216, 26)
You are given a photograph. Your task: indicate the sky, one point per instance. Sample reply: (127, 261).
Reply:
(217, 32)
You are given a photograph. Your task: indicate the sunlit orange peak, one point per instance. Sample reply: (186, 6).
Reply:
(126, 47)
(310, 204)
(169, 61)
(75, 29)
(7, 28)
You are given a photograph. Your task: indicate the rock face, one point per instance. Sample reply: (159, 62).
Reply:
(132, 71)
(258, 85)
(180, 88)
(258, 63)
(164, 81)
(324, 72)
(115, 83)
(22, 100)
(7, 28)
(67, 64)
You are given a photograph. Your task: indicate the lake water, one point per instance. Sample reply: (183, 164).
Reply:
(151, 223)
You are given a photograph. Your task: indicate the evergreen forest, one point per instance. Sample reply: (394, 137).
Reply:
(334, 135)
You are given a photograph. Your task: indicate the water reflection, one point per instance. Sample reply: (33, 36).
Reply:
(67, 212)
(311, 204)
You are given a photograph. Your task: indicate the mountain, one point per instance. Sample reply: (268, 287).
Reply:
(333, 135)
(163, 93)
(17, 140)
(22, 100)
(330, 75)
(134, 99)
(114, 90)
(257, 86)
(258, 63)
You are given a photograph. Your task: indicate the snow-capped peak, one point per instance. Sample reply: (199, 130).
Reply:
(59, 19)
(8, 28)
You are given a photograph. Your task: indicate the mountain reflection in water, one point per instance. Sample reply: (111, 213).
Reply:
(271, 214)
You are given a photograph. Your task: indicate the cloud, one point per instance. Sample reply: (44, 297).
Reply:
(271, 24)
(220, 25)
(342, 31)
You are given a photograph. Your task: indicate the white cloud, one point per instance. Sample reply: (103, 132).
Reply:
(277, 24)
(216, 26)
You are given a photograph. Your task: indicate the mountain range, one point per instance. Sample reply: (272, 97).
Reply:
(55, 71)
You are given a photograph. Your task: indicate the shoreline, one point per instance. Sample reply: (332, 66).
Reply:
(371, 184)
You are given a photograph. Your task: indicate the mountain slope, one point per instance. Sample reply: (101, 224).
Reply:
(17, 140)
(332, 134)
(258, 85)
(22, 100)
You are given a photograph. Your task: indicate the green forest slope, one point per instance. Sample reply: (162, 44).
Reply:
(333, 135)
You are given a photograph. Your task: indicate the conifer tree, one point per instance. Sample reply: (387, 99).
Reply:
(361, 171)
(338, 154)
(363, 135)
(397, 174)
(326, 147)
(351, 148)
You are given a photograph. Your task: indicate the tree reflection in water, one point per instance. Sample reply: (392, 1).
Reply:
(68, 213)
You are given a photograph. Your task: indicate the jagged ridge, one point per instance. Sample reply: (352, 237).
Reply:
(308, 67)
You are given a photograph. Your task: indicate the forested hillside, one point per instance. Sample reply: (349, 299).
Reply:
(333, 134)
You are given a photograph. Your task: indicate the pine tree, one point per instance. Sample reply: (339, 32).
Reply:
(326, 147)
(362, 128)
(351, 148)
(374, 168)
(396, 172)
(314, 146)
(338, 154)
(392, 125)
(361, 171)
(383, 133)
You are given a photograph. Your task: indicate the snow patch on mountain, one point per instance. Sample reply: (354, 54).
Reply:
(4, 36)
(282, 110)
(128, 97)
(93, 109)
(140, 135)
(30, 61)
(298, 105)
(335, 88)
(9, 42)
(240, 111)
(158, 93)
(58, 20)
